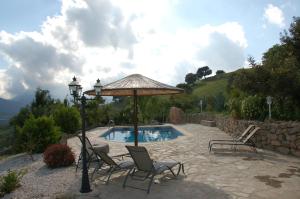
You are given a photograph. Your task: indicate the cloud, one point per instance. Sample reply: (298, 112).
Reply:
(274, 15)
(101, 24)
(222, 53)
(111, 39)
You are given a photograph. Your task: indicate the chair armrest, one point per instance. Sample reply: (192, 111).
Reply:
(121, 156)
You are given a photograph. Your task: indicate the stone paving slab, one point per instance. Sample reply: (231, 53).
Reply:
(221, 174)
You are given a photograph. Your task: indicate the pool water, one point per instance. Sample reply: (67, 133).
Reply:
(145, 134)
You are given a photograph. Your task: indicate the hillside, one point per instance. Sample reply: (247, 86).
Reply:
(212, 86)
(9, 108)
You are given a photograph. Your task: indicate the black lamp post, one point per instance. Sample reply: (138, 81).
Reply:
(75, 91)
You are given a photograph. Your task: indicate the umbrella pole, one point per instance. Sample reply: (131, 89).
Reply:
(135, 119)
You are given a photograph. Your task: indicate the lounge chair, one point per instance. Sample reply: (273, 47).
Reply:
(235, 139)
(146, 168)
(113, 166)
(245, 142)
(90, 152)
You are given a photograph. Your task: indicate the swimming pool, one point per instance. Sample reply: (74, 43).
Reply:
(146, 134)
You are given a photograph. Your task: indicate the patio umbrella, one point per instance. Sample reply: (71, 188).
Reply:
(136, 85)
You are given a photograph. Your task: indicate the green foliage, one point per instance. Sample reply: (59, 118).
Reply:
(191, 78)
(278, 76)
(234, 107)
(254, 107)
(6, 137)
(37, 134)
(219, 72)
(203, 72)
(186, 87)
(153, 108)
(10, 181)
(58, 155)
(42, 103)
(68, 119)
(96, 113)
(21, 117)
(285, 109)
(206, 88)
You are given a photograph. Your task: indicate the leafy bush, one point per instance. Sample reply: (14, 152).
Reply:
(254, 107)
(234, 107)
(58, 155)
(68, 119)
(285, 109)
(37, 134)
(21, 117)
(10, 181)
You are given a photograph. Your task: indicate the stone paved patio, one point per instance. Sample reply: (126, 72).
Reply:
(222, 174)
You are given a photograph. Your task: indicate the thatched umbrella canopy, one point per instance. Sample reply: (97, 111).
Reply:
(136, 85)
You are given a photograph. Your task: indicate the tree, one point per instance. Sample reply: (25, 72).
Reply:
(190, 78)
(252, 61)
(41, 105)
(278, 75)
(37, 134)
(292, 38)
(21, 117)
(206, 71)
(203, 72)
(68, 119)
(186, 87)
(219, 72)
(200, 73)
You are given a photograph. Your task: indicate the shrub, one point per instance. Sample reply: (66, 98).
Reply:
(234, 107)
(68, 119)
(10, 181)
(58, 155)
(254, 107)
(37, 134)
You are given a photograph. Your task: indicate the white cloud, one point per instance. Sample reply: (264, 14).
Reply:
(108, 40)
(274, 15)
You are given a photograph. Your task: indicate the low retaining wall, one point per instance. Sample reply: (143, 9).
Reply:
(280, 136)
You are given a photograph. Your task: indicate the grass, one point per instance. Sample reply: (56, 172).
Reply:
(211, 87)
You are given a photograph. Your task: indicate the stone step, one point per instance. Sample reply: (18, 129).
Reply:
(208, 123)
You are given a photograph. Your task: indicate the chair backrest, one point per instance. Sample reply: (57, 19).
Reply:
(251, 134)
(89, 146)
(250, 127)
(141, 158)
(107, 159)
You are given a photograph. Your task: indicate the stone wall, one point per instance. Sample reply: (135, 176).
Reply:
(280, 136)
(176, 116)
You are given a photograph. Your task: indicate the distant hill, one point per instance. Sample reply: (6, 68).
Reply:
(212, 86)
(9, 108)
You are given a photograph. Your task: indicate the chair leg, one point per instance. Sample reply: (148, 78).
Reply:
(170, 169)
(182, 167)
(128, 174)
(99, 165)
(179, 169)
(79, 158)
(111, 170)
(210, 147)
(150, 183)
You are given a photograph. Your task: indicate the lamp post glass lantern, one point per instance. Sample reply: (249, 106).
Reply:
(76, 91)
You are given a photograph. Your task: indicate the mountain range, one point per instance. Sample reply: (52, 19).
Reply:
(9, 108)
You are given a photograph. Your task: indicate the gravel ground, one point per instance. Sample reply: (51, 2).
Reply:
(39, 181)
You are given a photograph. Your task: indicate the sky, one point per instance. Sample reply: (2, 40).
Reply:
(44, 43)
